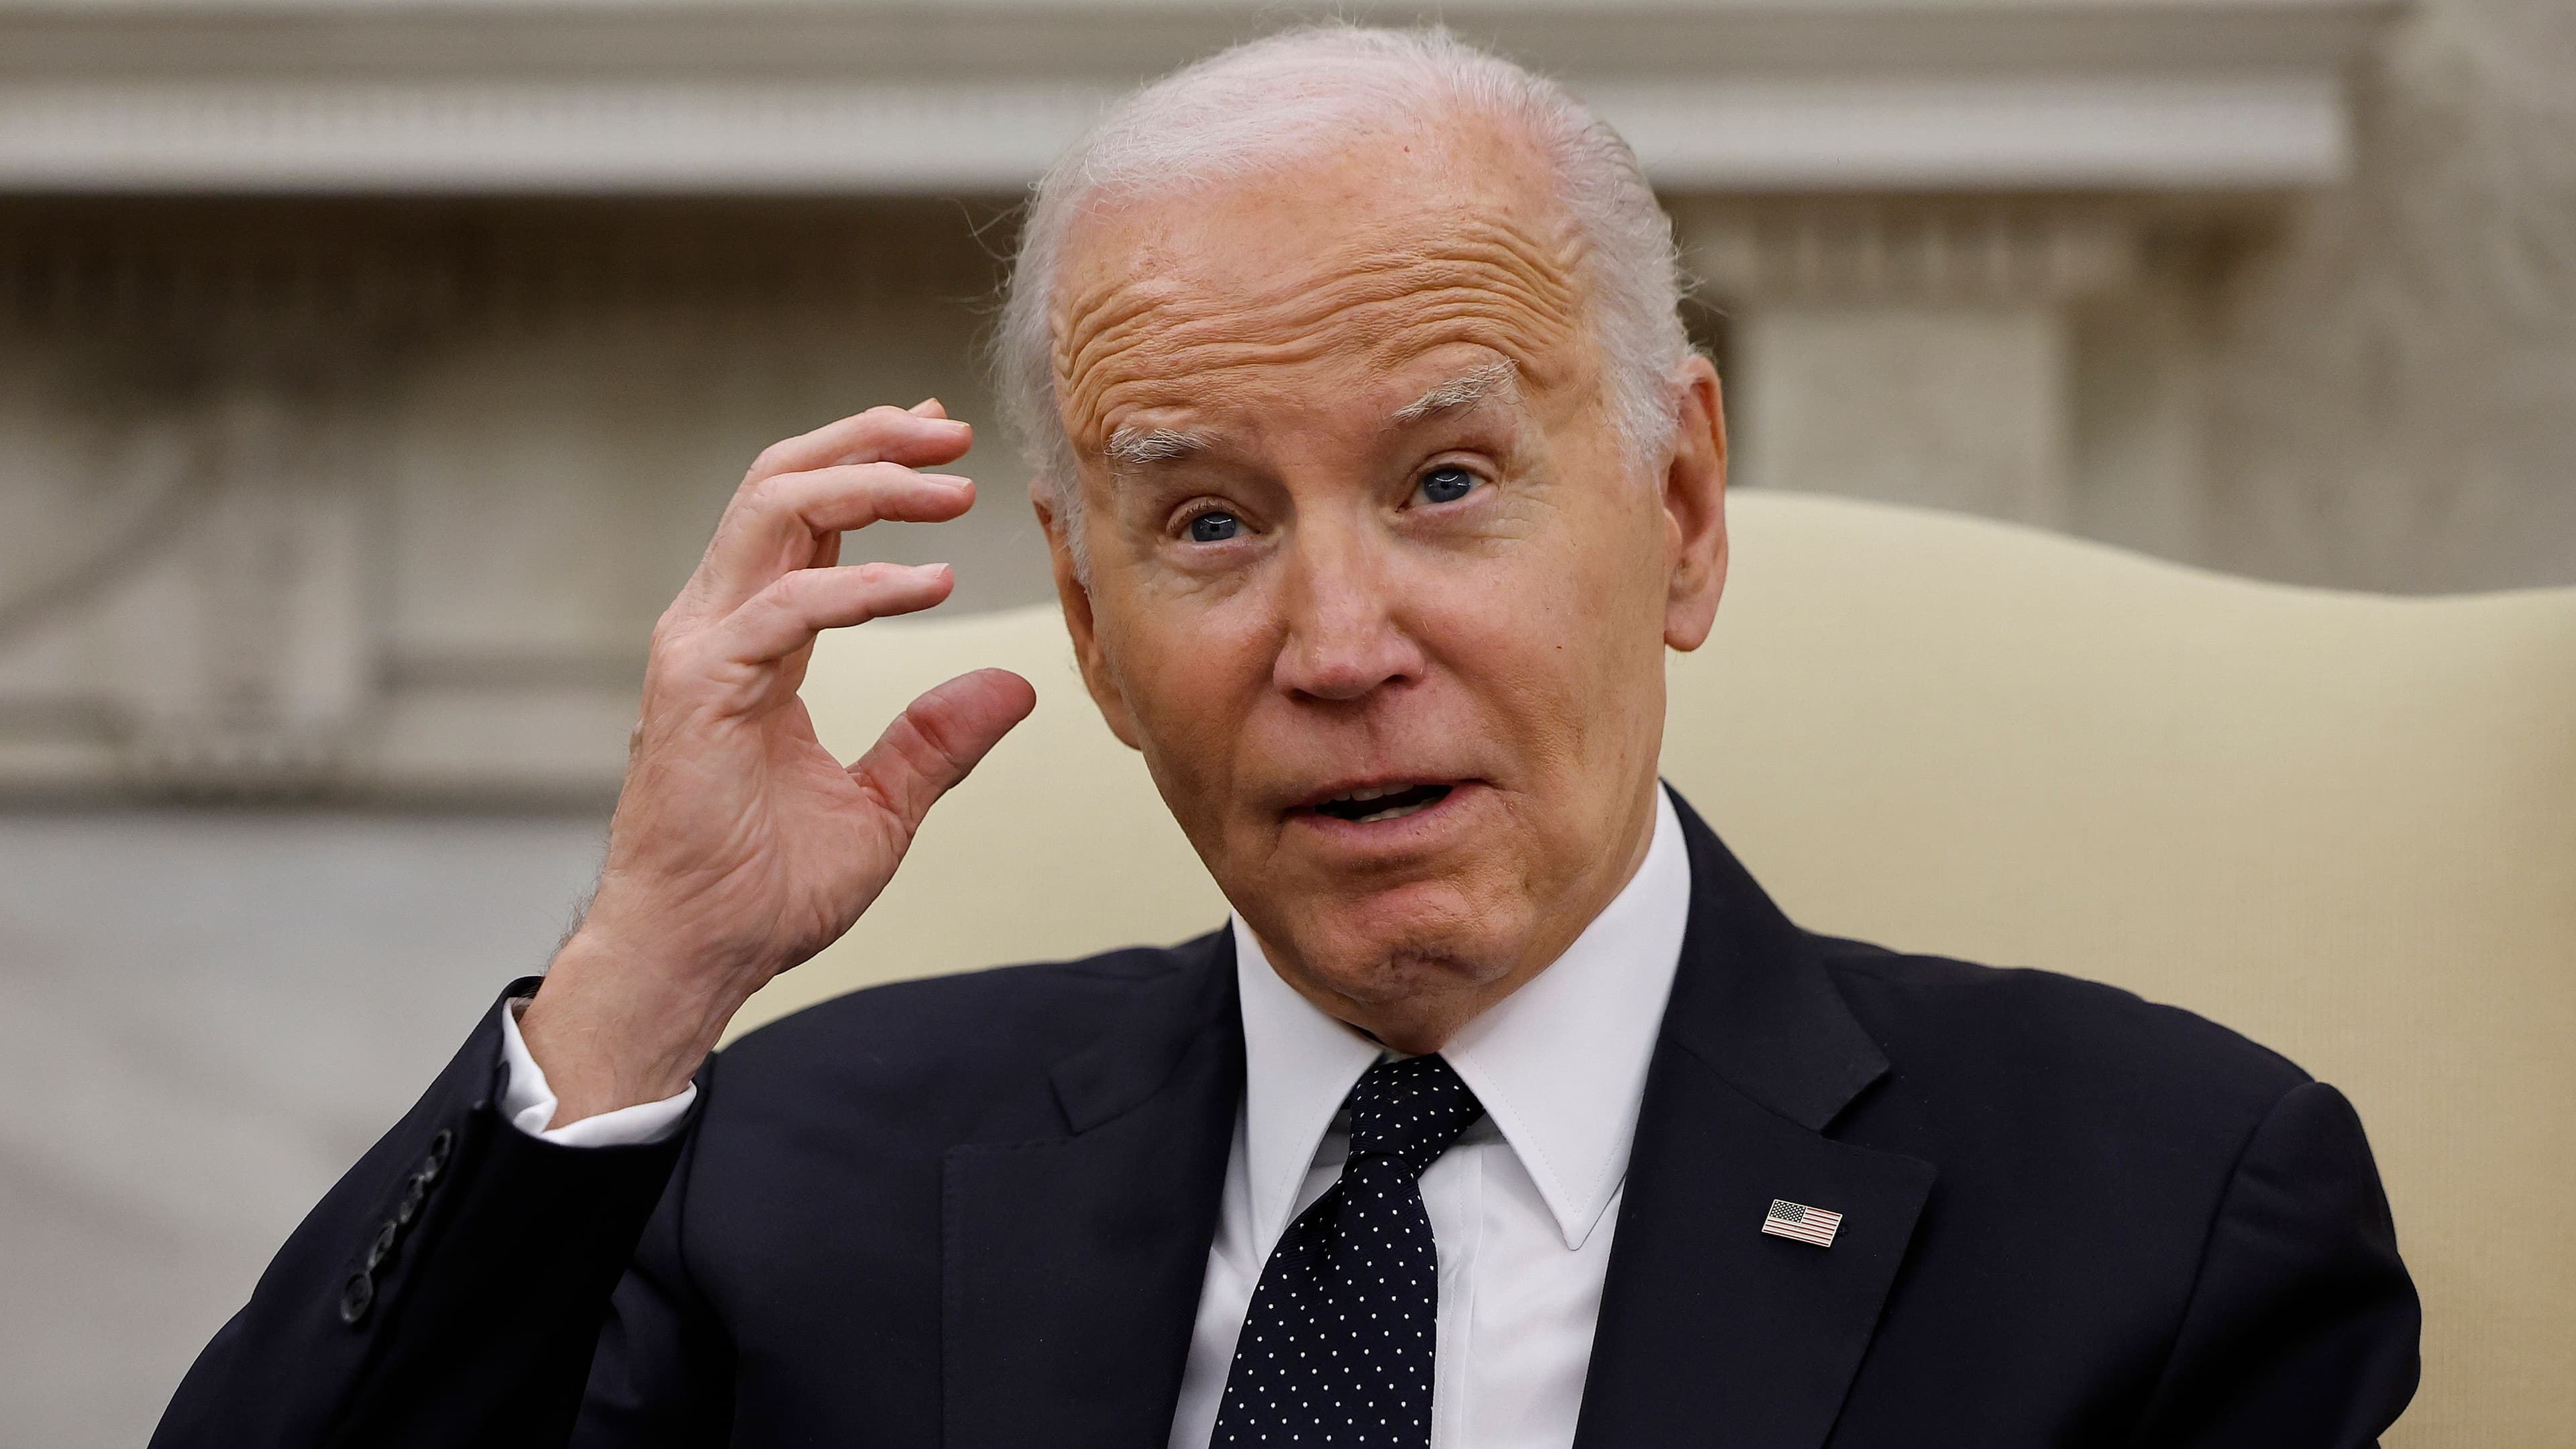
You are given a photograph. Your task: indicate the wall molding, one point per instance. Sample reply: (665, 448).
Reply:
(258, 227)
(1875, 251)
(702, 97)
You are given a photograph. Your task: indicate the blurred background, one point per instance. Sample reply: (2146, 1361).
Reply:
(372, 370)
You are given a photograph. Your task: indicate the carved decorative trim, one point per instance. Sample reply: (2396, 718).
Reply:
(471, 135)
(2108, 131)
(244, 646)
(702, 137)
(1920, 251)
(696, 96)
(196, 596)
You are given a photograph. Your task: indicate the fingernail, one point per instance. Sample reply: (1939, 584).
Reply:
(929, 407)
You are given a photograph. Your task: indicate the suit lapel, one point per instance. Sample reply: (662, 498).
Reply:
(1711, 1330)
(1072, 1265)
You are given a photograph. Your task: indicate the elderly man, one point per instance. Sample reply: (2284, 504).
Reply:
(1507, 1112)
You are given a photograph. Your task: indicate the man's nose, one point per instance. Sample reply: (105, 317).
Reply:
(1342, 637)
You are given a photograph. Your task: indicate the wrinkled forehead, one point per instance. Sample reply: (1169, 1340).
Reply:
(1365, 258)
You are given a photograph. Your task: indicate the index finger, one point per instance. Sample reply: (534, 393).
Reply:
(879, 435)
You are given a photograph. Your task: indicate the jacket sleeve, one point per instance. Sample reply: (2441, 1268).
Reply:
(2302, 1326)
(451, 1289)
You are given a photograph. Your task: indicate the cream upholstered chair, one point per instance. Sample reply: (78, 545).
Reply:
(2344, 825)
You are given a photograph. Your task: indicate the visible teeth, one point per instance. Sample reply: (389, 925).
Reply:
(1398, 813)
(1376, 792)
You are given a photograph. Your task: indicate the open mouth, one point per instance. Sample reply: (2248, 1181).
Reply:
(1384, 802)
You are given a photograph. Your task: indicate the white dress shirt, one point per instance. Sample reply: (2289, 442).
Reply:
(529, 1102)
(1521, 1207)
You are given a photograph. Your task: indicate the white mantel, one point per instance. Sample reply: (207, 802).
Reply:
(319, 489)
(866, 96)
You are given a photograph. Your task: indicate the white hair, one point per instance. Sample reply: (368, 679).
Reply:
(1270, 101)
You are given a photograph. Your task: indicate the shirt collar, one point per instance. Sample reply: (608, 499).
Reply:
(1560, 1064)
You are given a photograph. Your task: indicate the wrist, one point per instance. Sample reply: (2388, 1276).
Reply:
(612, 1031)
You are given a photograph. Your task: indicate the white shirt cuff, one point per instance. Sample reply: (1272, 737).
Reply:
(529, 1102)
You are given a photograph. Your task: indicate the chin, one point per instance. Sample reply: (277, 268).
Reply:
(1413, 942)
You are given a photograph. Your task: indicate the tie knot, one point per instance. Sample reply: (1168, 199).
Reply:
(1411, 1110)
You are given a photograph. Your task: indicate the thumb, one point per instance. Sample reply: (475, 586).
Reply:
(939, 738)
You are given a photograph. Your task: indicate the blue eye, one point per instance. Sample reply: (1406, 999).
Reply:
(1214, 527)
(1447, 485)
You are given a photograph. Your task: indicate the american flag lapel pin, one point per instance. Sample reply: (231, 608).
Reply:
(1797, 1220)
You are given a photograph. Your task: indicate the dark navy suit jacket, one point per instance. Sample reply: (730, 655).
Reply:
(974, 1212)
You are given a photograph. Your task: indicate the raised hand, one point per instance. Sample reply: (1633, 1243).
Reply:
(740, 845)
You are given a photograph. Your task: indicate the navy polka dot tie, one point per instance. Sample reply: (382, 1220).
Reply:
(1337, 1347)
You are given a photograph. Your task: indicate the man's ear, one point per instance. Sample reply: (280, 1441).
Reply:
(1075, 596)
(1695, 508)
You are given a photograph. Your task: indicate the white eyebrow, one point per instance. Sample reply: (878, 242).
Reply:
(1463, 391)
(1128, 447)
